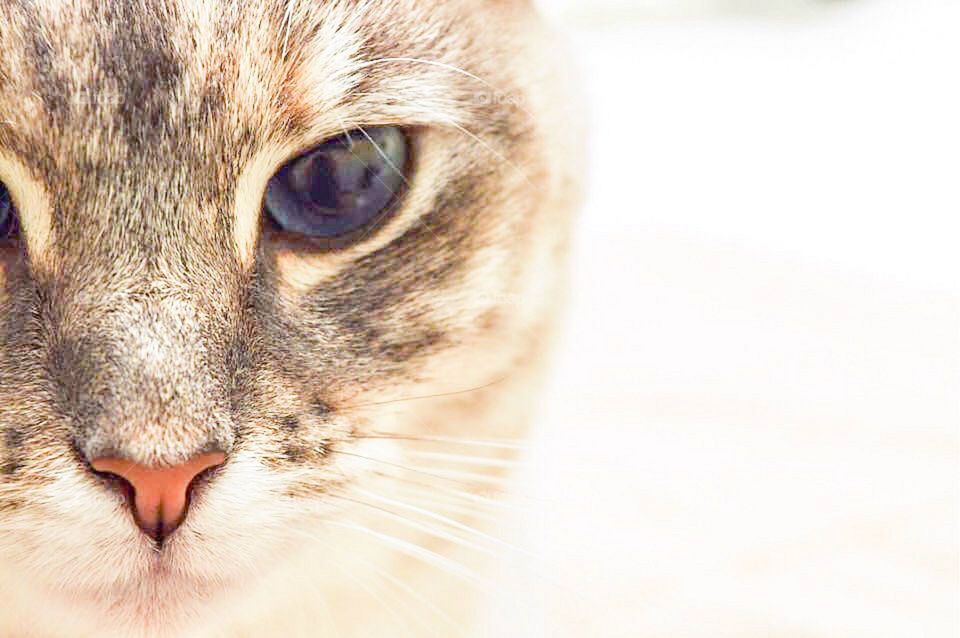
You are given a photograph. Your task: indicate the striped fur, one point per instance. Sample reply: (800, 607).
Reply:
(147, 310)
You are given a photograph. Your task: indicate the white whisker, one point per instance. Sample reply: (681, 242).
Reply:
(503, 158)
(442, 65)
(459, 498)
(426, 529)
(382, 154)
(443, 519)
(402, 622)
(461, 475)
(464, 458)
(451, 476)
(331, 620)
(438, 395)
(410, 591)
(503, 444)
(450, 507)
(463, 497)
(415, 551)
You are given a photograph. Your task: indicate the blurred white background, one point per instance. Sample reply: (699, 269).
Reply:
(753, 426)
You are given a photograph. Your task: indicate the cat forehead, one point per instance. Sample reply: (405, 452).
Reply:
(86, 80)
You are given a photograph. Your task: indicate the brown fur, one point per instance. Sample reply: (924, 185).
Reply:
(148, 310)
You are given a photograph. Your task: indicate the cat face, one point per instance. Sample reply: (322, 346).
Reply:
(153, 310)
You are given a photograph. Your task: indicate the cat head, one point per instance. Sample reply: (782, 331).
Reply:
(278, 236)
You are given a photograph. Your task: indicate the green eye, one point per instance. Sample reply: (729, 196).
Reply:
(343, 185)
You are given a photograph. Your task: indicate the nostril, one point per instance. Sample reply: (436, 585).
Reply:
(119, 485)
(159, 496)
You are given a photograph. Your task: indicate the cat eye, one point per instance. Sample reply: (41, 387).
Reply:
(8, 217)
(345, 185)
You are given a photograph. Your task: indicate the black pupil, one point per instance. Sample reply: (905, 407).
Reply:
(341, 186)
(314, 178)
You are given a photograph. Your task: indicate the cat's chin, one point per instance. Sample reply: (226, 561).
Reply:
(152, 595)
(188, 574)
(144, 583)
(158, 580)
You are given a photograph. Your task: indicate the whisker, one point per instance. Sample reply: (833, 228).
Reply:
(450, 507)
(384, 156)
(415, 551)
(451, 476)
(379, 151)
(462, 497)
(503, 158)
(287, 25)
(402, 622)
(331, 619)
(443, 519)
(454, 69)
(465, 459)
(423, 397)
(502, 444)
(461, 476)
(420, 526)
(381, 573)
(455, 497)
(410, 591)
(443, 65)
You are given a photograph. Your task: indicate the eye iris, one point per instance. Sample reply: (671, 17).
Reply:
(341, 186)
(8, 220)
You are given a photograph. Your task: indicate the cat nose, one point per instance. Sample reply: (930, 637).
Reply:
(160, 494)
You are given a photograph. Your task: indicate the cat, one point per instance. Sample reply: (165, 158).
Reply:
(277, 285)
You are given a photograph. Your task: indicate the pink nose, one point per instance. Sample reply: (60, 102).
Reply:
(160, 493)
